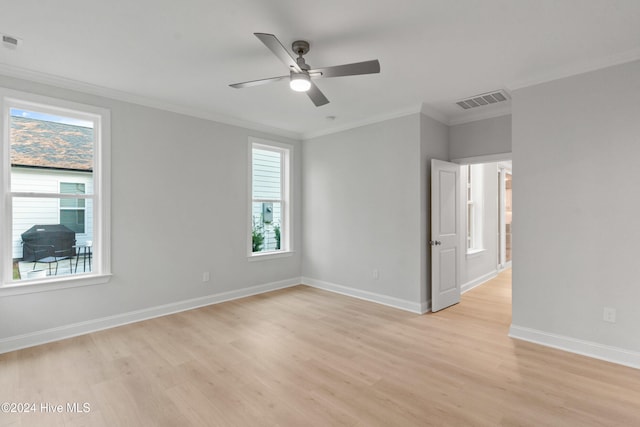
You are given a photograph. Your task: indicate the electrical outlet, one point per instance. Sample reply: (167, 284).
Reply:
(376, 274)
(206, 276)
(609, 315)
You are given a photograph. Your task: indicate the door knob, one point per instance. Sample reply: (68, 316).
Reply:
(435, 242)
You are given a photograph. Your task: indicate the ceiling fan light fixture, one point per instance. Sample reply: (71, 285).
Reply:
(300, 82)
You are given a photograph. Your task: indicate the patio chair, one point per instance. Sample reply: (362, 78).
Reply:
(47, 254)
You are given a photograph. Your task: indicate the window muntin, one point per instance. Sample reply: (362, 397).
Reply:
(269, 214)
(55, 170)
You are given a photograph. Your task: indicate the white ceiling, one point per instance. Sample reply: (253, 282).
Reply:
(182, 55)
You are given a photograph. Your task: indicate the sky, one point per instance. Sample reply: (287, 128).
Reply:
(16, 112)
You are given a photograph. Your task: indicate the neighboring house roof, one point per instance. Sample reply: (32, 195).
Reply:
(42, 144)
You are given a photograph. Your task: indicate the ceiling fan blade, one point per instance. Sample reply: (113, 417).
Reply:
(276, 47)
(366, 67)
(316, 96)
(258, 82)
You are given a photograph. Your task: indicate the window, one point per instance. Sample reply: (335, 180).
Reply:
(269, 216)
(72, 210)
(55, 200)
(475, 207)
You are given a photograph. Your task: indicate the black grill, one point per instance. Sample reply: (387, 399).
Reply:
(59, 236)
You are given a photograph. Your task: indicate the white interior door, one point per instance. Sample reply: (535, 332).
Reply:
(445, 233)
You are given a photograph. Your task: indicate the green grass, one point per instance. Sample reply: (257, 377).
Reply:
(16, 271)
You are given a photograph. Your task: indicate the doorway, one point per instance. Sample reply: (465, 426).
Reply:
(484, 215)
(487, 216)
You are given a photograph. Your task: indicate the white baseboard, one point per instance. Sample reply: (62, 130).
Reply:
(67, 331)
(586, 348)
(413, 307)
(507, 265)
(478, 281)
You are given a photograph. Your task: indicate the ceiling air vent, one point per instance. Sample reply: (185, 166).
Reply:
(484, 99)
(10, 42)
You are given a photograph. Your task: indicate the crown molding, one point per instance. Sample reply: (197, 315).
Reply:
(580, 68)
(435, 114)
(482, 115)
(369, 121)
(87, 88)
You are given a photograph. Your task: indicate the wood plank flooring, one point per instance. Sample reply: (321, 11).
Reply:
(306, 357)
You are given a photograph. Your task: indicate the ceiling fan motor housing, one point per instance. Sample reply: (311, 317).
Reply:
(300, 47)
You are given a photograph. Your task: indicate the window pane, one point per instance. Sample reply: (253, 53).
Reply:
(71, 203)
(73, 219)
(469, 225)
(46, 149)
(266, 173)
(269, 175)
(267, 221)
(41, 242)
(72, 188)
(43, 236)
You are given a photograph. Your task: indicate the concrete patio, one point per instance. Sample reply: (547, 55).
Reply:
(78, 264)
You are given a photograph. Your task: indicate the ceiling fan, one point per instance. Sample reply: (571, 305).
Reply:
(300, 74)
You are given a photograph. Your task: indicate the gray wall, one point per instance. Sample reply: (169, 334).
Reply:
(361, 208)
(576, 145)
(488, 137)
(366, 206)
(179, 208)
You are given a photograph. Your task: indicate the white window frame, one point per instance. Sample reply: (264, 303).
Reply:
(286, 242)
(470, 212)
(474, 192)
(101, 195)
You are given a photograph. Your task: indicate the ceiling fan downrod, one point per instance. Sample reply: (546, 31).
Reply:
(301, 47)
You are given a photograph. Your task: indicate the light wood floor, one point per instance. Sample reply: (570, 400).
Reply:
(306, 357)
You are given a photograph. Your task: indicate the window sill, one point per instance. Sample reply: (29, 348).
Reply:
(36, 286)
(473, 253)
(265, 256)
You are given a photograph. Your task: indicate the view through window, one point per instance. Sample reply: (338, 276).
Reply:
(52, 164)
(269, 202)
